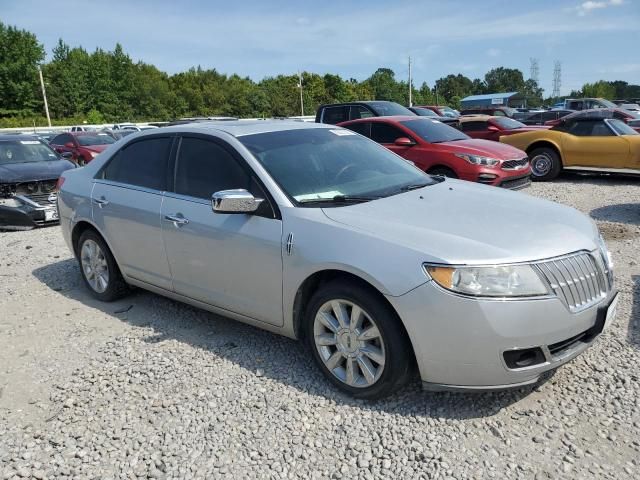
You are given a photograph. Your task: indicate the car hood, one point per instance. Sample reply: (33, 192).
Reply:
(459, 222)
(33, 171)
(485, 148)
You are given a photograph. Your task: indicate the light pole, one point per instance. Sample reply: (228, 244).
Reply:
(44, 96)
(300, 87)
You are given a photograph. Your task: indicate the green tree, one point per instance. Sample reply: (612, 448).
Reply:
(503, 79)
(20, 54)
(453, 86)
(599, 89)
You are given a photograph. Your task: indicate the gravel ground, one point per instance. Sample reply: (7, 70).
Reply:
(150, 388)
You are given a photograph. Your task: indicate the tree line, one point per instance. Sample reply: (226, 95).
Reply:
(108, 86)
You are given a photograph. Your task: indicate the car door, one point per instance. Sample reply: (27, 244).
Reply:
(592, 143)
(126, 203)
(232, 261)
(386, 134)
(60, 142)
(476, 129)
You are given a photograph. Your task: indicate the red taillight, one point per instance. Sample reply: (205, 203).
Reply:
(59, 183)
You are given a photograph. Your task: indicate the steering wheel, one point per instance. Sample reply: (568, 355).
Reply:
(345, 169)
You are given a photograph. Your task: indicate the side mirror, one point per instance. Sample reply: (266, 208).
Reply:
(66, 154)
(404, 142)
(493, 128)
(234, 201)
(69, 145)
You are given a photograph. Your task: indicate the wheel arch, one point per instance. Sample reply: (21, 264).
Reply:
(545, 144)
(314, 281)
(82, 226)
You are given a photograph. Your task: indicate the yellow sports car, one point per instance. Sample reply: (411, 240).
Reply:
(585, 142)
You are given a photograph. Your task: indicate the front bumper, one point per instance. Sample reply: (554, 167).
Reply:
(460, 342)
(21, 213)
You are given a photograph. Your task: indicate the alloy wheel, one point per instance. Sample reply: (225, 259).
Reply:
(349, 343)
(94, 265)
(541, 165)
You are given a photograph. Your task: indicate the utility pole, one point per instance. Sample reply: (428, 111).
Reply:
(557, 79)
(300, 87)
(410, 99)
(44, 95)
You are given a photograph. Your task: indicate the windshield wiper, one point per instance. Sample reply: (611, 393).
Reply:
(340, 199)
(414, 186)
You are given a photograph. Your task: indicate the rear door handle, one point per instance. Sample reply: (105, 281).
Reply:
(177, 220)
(101, 202)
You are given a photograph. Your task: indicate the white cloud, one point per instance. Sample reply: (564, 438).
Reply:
(586, 7)
(494, 52)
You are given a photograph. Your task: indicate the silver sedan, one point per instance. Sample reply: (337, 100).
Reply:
(317, 233)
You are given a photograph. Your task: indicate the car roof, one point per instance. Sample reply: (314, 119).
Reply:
(239, 128)
(388, 118)
(17, 136)
(475, 118)
(596, 113)
(92, 133)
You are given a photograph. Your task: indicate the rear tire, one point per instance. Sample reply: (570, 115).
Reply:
(356, 340)
(99, 269)
(443, 172)
(545, 164)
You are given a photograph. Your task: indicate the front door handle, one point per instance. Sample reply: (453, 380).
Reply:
(101, 202)
(177, 220)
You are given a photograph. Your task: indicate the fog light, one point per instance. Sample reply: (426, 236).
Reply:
(526, 357)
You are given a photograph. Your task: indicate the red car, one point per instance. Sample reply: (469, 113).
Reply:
(83, 146)
(439, 149)
(630, 118)
(492, 128)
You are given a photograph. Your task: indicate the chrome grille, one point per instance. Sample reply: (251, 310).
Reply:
(515, 164)
(44, 199)
(579, 280)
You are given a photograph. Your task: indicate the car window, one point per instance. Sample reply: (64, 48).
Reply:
(363, 128)
(142, 163)
(620, 127)
(385, 109)
(321, 163)
(385, 133)
(590, 128)
(507, 123)
(24, 151)
(203, 167)
(473, 126)
(358, 111)
(499, 113)
(99, 139)
(424, 112)
(335, 115)
(433, 131)
(62, 139)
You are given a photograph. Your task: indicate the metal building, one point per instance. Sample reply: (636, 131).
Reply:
(509, 99)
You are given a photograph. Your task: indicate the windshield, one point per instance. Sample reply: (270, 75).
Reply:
(316, 164)
(507, 123)
(434, 131)
(449, 112)
(385, 109)
(607, 104)
(101, 139)
(620, 127)
(24, 151)
(424, 112)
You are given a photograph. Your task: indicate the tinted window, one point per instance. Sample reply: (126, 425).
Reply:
(424, 112)
(62, 139)
(434, 131)
(142, 163)
(335, 115)
(363, 128)
(507, 123)
(100, 139)
(588, 128)
(358, 111)
(385, 133)
(204, 167)
(385, 109)
(621, 128)
(473, 126)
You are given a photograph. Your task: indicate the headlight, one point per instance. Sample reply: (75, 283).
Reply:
(604, 251)
(490, 281)
(479, 160)
(93, 154)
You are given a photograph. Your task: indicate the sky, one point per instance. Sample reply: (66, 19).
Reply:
(593, 39)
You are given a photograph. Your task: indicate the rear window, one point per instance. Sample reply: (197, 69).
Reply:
(508, 123)
(385, 109)
(142, 163)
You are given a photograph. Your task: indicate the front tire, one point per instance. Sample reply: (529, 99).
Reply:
(99, 269)
(545, 164)
(357, 341)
